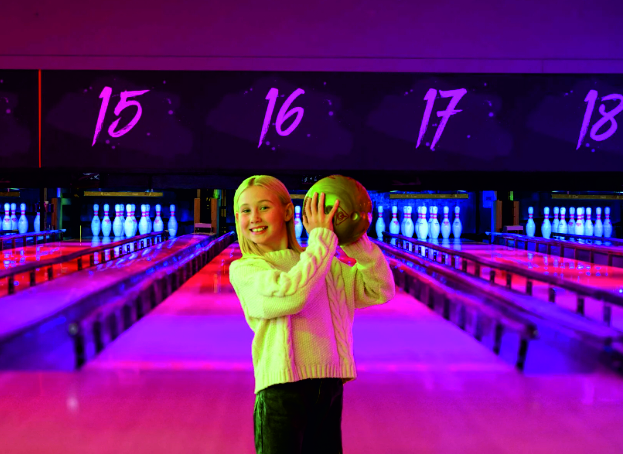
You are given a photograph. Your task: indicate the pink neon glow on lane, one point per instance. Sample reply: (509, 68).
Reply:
(189, 329)
(423, 386)
(599, 276)
(586, 273)
(12, 258)
(37, 303)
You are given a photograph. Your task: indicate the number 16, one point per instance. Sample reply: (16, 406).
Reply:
(283, 114)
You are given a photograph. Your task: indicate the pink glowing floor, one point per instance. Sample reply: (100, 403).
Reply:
(180, 381)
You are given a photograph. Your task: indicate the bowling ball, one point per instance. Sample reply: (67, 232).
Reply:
(354, 214)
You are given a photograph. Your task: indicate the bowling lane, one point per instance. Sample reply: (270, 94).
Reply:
(191, 328)
(585, 273)
(34, 304)
(12, 258)
(424, 386)
(188, 330)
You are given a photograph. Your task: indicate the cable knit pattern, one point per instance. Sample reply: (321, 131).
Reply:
(301, 306)
(337, 298)
(290, 347)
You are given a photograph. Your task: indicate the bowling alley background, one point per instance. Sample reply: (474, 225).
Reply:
(505, 336)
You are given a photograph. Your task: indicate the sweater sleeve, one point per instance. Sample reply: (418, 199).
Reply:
(267, 293)
(374, 281)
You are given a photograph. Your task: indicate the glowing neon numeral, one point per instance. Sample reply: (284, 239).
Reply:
(283, 114)
(123, 103)
(445, 115)
(430, 102)
(591, 99)
(105, 96)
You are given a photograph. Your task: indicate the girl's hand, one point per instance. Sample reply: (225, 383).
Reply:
(314, 215)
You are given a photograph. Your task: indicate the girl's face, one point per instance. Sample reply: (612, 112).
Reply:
(260, 208)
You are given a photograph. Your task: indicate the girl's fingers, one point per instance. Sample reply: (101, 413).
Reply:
(333, 210)
(309, 208)
(315, 203)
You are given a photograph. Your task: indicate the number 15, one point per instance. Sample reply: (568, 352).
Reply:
(123, 103)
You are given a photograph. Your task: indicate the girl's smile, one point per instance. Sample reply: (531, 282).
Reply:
(258, 232)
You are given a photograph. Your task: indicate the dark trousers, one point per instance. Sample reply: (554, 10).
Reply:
(302, 417)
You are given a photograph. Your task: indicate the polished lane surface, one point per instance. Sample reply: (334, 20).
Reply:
(179, 381)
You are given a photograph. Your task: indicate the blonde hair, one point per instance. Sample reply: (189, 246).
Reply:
(278, 188)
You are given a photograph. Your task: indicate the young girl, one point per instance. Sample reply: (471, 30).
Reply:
(300, 303)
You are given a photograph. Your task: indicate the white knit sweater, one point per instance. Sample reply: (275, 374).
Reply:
(301, 307)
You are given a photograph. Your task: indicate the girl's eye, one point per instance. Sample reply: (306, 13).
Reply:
(246, 211)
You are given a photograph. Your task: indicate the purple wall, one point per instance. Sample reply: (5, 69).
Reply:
(343, 35)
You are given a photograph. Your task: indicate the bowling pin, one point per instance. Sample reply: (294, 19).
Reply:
(380, 224)
(22, 224)
(394, 226)
(147, 220)
(579, 223)
(423, 224)
(14, 216)
(150, 225)
(129, 219)
(416, 224)
(298, 224)
(546, 226)
(556, 222)
(409, 224)
(445, 224)
(405, 215)
(562, 225)
(117, 225)
(37, 223)
(571, 224)
(409, 227)
(142, 224)
(6, 221)
(457, 227)
(599, 227)
(128, 225)
(121, 210)
(588, 224)
(158, 224)
(134, 220)
(430, 221)
(95, 222)
(607, 224)
(106, 224)
(172, 226)
(434, 226)
(530, 225)
(405, 210)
